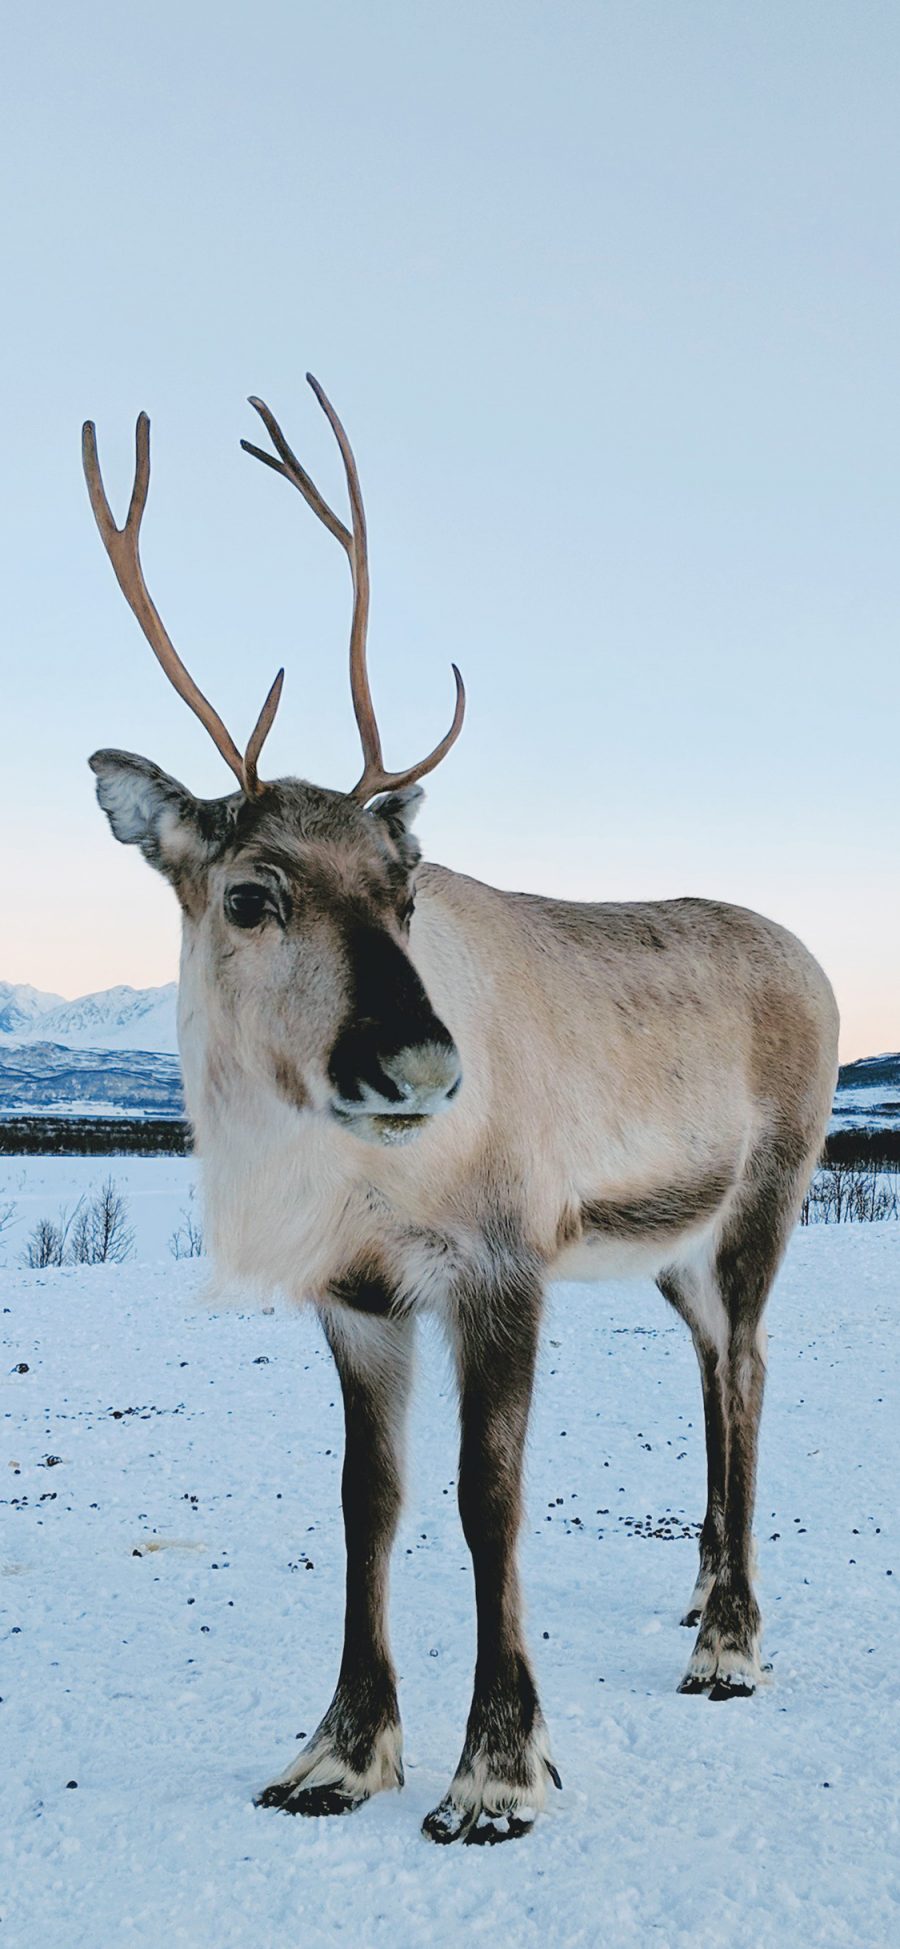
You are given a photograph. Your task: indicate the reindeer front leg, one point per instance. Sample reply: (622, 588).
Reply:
(356, 1750)
(500, 1782)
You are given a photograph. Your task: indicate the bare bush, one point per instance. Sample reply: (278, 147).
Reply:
(93, 1233)
(850, 1194)
(49, 1241)
(7, 1216)
(101, 1233)
(46, 1245)
(186, 1241)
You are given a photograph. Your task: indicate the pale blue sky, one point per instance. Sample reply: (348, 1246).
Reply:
(607, 295)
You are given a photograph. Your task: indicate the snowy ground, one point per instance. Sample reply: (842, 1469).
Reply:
(157, 1191)
(171, 1683)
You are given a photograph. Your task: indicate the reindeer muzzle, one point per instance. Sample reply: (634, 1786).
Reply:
(387, 1096)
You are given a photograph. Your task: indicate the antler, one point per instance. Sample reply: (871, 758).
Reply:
(374, 777)
(121, 545)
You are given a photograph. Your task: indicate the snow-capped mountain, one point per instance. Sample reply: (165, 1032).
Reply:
(108, 1054)
(114, 1018)
(21, 1007)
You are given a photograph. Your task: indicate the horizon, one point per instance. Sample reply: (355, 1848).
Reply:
(156, 988)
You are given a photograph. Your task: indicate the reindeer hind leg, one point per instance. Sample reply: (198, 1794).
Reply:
(694, 1293)
(725, 1662)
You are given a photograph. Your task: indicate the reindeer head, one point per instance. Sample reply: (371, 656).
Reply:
(296, 901)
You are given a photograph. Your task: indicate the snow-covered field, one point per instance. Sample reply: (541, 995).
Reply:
(157, 1191)
(171, 1566)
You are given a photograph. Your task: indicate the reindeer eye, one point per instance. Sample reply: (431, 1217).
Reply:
(246, 904)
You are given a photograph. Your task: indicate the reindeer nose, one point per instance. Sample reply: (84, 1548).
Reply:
(426, 1074)
(374, 1080)
(394, 1064)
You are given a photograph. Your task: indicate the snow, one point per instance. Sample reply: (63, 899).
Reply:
(157, 1189)
(21, 1006)
(113, 1018)
(172, 1684)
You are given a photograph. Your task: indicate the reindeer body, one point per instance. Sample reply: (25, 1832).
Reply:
(622, 1063)
(411, 1091)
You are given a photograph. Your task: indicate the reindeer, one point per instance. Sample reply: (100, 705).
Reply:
(412, 1091)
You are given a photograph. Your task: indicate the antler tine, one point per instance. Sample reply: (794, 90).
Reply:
(374, 777)
(354, 545)
(258, 737)
(122, 547)
(290, 467)
(363, 707)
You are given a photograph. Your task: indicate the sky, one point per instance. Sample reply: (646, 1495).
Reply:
(607, 295)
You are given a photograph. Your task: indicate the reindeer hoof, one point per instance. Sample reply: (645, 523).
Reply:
(731, 1688)
(311, 1801)
(489, 1829)
(693, 1685)
(449, 1822)
(322, 1780)
(722, 1673)
(691, 1619)
(446, 1822)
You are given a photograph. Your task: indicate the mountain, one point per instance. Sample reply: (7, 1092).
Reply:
(22, 1007)
(114, 1018)
(109, 1054)
(43, 1079)
(868, 1094)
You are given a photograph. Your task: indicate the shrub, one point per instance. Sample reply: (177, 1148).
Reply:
(101, 1233)
(94, 1233)
(851, 1194)
(186, 1241)
(46, 1244)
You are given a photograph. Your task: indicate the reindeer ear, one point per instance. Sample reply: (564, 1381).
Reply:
(145, 807)
(396, 811)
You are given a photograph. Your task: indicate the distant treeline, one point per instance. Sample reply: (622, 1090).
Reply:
(864, 1147)
(94, 1137)
(171, 1136)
